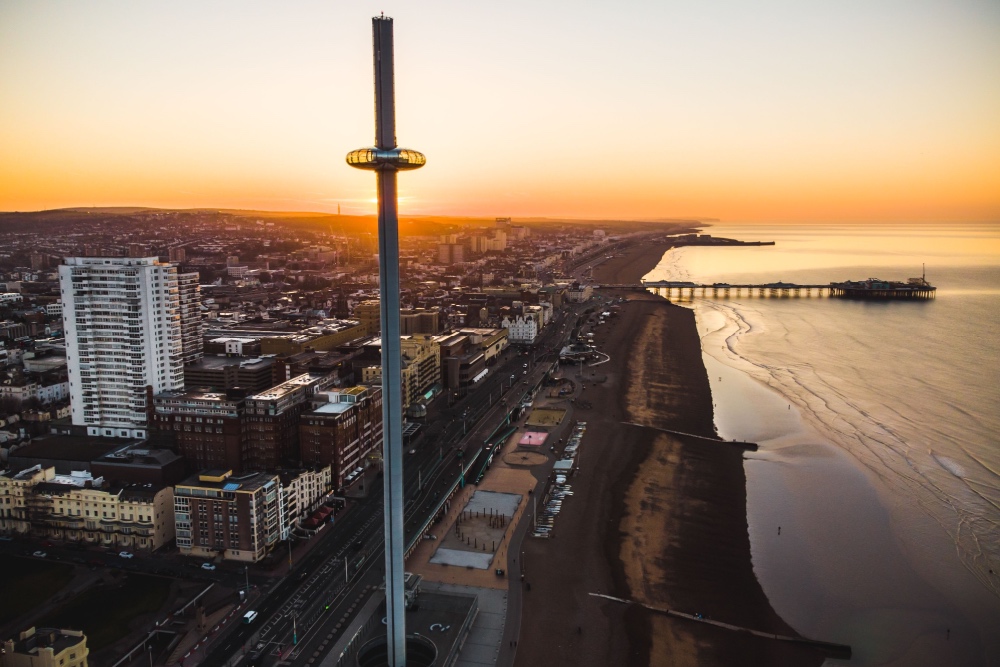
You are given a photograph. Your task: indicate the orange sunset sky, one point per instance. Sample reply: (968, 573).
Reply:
(744, 111)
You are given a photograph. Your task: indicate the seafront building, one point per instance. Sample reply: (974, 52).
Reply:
(122, 318)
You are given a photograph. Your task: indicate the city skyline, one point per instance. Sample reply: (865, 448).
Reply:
(780, 113)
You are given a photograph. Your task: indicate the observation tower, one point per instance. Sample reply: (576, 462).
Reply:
(385, 159)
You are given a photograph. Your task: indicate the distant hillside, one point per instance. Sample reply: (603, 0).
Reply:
(66, 219)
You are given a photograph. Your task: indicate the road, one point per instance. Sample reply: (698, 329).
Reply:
(308, 602)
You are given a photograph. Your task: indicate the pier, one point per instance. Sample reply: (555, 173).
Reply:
(871, 289)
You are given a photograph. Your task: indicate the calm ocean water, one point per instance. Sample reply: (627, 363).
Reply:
(874, 500)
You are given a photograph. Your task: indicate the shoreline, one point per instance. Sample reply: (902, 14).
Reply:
(893, 559)
(657, 518)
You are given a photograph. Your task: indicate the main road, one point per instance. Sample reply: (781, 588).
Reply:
(349, 555)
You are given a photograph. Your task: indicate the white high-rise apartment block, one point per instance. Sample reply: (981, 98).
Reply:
(192, 343)
(122, 321)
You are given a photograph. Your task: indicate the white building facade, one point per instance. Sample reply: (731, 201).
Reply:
(121, 317)
(521, 329)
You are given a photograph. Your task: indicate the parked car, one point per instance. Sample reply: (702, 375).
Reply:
(39, 554)
(125, 554)
(207, 566)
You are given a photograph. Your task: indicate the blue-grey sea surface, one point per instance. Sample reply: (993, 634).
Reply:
(874, 499)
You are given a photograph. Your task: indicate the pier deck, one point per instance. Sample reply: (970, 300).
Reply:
(849, 290)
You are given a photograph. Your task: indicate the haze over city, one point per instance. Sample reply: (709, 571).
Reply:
(773, 111)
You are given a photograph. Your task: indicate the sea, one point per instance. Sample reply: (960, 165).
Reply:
(873, 500)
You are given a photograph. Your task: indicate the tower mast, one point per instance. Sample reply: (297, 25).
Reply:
(385, 158)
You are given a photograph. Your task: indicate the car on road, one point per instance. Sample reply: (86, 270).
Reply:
(40, 554)
(207, 566)
(125, 554)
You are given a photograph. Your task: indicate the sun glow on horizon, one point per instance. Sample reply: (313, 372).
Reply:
(768, 113)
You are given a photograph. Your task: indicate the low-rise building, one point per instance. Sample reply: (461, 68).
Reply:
(491, 341)
(227, 372)
(325, 335)
(81, 508)
(578, 293)
(46, 647)
(463, 361)
(236, 517)
(302, 491)
(521, 328)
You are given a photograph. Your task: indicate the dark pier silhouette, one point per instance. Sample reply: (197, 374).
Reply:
(915, 288)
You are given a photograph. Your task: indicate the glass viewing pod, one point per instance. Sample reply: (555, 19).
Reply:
(377, 158)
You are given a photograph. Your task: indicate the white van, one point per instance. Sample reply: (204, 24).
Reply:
(249, 617)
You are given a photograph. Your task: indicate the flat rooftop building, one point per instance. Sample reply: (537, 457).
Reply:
(65, 453)
(237, 517)
(208, 426)
(222, 373)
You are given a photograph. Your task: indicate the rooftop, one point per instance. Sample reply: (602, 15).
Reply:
(31, 640)
(211, 363)
(71, 448)
(195, 395)
(222, 481)
(284, 388)
(333, 408)
(138, 454)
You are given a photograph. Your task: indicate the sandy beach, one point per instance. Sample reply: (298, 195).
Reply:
(656, 518)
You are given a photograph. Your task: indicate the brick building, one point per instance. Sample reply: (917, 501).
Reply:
(206, 426)
(272, 422)
(342, 430)
(237, 517)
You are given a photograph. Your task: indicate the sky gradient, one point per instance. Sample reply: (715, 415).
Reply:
(765, 111)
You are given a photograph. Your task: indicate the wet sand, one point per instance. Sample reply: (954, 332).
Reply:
(656, 518)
